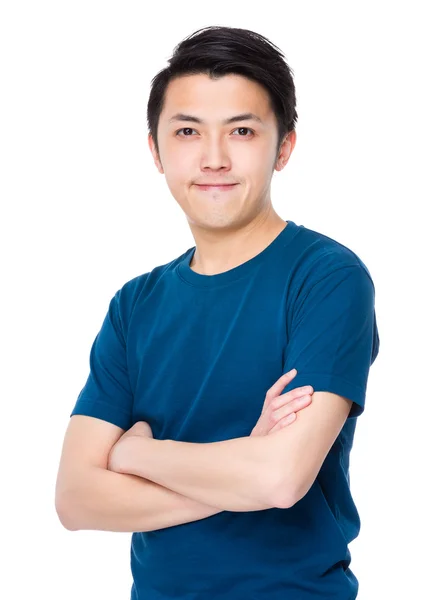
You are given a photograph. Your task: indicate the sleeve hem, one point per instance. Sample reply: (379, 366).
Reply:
(334, 384)
(102, 410)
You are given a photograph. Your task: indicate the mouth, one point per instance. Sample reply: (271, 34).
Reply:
(217, 186)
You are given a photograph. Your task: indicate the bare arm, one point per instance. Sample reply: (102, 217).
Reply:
(236, 474)
(89, 496)
(110, 501)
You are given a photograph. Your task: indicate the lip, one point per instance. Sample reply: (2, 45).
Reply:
(216, 186)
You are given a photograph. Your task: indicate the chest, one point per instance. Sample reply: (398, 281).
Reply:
(200, 366)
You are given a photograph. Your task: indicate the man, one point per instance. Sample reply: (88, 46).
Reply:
(179, 434)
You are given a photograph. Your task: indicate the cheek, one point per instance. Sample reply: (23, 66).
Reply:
(252, 160)
(180, 167)
(256, 171)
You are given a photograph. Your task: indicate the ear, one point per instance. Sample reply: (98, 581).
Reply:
(156, 157)
(286, 150)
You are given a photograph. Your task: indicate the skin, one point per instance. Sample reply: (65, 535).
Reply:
(229, 227)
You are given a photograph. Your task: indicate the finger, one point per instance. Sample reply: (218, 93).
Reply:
(283, 423)
(279, 385)
(292, 407)
(291, 396)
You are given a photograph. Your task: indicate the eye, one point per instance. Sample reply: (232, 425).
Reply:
(244, 128)
(190, 129)
(185, 129)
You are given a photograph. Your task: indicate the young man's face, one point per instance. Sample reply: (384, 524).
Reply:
(242, 153)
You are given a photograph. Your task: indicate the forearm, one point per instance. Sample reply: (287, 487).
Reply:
(234, 474)
(109, 501)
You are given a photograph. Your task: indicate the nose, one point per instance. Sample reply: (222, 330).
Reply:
(215, 155)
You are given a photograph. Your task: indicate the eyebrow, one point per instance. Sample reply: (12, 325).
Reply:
(242, 117)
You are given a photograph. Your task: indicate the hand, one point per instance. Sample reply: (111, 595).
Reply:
(119, 449)
(279, 411)
(141, 428)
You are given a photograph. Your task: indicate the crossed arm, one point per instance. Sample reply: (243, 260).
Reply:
(247, 473)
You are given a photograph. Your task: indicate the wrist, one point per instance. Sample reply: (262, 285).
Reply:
(130, 455)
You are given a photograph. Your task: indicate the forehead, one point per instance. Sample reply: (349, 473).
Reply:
(216, 98)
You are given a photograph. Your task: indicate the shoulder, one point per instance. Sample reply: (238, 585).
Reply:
(318, 256)
(134, 291)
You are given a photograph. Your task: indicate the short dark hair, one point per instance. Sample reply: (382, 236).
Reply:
(217, 51)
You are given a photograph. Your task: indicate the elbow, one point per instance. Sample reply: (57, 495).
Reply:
(272, 489)
(64, 513)
(283, 497)
(278, 493)
(284, 491)
(288, 493)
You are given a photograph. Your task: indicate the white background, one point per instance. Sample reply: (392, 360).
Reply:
(84, 209)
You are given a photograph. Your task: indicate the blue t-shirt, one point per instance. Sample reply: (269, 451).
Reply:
(194, 355)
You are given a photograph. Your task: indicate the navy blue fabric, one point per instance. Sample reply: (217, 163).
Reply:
(194, 355)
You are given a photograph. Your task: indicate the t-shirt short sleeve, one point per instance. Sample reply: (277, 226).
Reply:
(333, 338)
(107, 394)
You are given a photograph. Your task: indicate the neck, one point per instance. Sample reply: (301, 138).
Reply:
(219, 251)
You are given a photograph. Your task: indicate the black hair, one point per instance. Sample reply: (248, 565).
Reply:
(217, 51)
